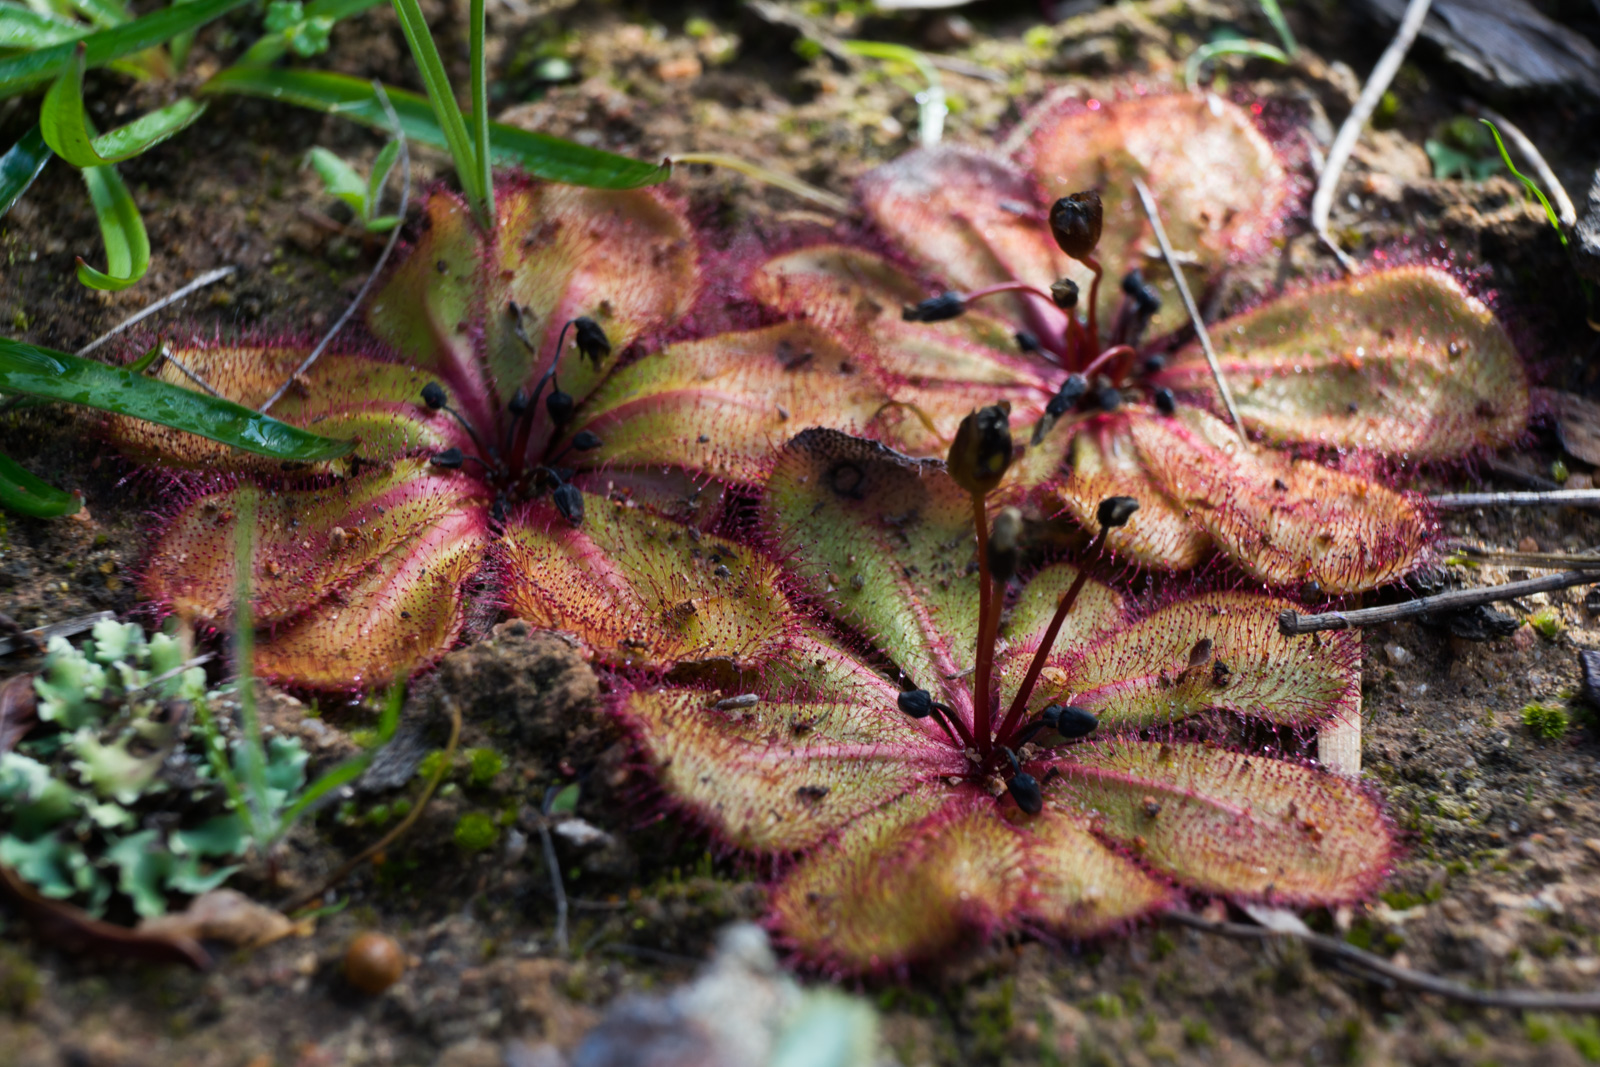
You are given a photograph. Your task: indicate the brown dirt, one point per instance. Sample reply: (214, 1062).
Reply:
(1500, 883)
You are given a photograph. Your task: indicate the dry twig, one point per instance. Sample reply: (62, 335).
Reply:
(1292, 623)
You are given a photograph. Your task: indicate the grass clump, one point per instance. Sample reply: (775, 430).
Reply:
(1545, 721)
(1547, 623)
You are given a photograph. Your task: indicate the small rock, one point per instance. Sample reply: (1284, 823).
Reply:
(1588, 242)
(1397, 655)
(1527, 544)
(1453, 910)
(1589, 668)
(1524, 638)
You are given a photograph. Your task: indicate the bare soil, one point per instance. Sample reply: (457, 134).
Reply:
(1500, 880)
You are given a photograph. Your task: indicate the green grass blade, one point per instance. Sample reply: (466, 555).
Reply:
(1280, 24)
(379, 178)
(445, 107)
(42, 64)
(539, 154)
(121, 229)
(1532, 186)
(480, 107)
(53, 375)
(1231, 47)
(22, 492)
(20, 165)
(66, 127)
(23, 28)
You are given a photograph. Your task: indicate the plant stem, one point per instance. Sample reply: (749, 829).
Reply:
(1094, 301)
(1103, 358)
(1008, 287)
(986, 609)
(445, 108)
(480, 107)
(1292, 623)
(1019, 703)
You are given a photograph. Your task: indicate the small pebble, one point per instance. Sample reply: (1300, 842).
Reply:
(1397, 655)
(374, 962)
(1527, 544)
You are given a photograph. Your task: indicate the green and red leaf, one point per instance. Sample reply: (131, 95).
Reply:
(1401, 361)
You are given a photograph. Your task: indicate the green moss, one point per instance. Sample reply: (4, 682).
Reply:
(1559, 472)
(430, 764)
(1197, 1032)
(1161, 946)
(1539, 1028)
(993, 1019)
(1547, 623)
(1547, 721)
(1106, 1005)
(482, 765)
(476, 832)
(1584, 1037)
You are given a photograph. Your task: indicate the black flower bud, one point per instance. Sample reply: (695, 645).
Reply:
(1075, 221)
(592, 340)
(948, 305)
(561, 407)
(434, 396)
(981, 451)
(449, 459)
(1115, 511)
(586, 441)
(1027, 342)
(1152, 365)
(519, 404)
(1071, 391)
(1108, 398)
(917, 703)
(569, 501)
(1064, 291)
(1071, 722)
(1166, 403)
(1003, 544)
(1024, 789)
(1145, 299)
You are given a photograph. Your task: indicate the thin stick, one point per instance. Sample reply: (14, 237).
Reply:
(777, 179)
(208, 278)
(41, 637)
(1345, 143)
(1149, 203)
(1377, 966)
(1565, 212)
(556, 884)
(1548, 560)
(305, 896)
(377, 269)
(1292, 623)
(1560, 498)
(188, 372)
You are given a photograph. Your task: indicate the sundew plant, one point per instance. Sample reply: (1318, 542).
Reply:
(946, 754)
(538, 408)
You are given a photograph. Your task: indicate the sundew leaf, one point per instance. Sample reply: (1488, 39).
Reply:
(795, 767)
(641, 590)
(426, 308)
(974, 222)
(53, 375)
(1401, 361)
(23, 492)
(539, 154)
(1103, 461)
(373, 405)
(911, 879)
(121, 231)
(935, 372)
(308, 543)
(723, 406)
(1219, 651)
(886, 545)
(625, 258)
(66, 127)
(1287, 522)
(34, 67)
(1229, 822)
(1216, 179)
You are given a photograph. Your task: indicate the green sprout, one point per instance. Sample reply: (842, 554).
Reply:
(476, 831)
(304, 35)
(364, 197)
(1545, 721)
(1547, 623)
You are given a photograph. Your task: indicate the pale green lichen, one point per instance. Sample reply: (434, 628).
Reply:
(69, 795)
